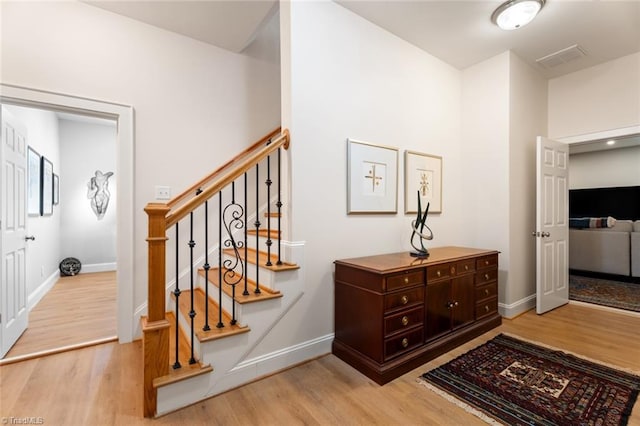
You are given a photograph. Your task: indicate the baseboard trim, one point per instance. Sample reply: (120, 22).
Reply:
(519, 307)
(99, 267)
(37, 295)
(285, 357)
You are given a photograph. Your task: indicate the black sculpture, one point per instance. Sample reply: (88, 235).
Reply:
(418, 229)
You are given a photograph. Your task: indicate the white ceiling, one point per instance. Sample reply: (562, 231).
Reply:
(456, 31)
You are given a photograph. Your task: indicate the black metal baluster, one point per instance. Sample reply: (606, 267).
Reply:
(176, 293)
(268, 183)
(206, 267)
(246, 276)
(233, 286)
(279, 205)
(192, 312)
(220, 323)
(257, 224)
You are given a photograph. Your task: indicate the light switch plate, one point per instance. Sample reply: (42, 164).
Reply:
(163, 192)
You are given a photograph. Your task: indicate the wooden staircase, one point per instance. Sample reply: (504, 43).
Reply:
(199, 331)
(207, 343)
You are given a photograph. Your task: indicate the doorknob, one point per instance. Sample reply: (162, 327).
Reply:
(546, 234)
(32, 238)
(535, 234)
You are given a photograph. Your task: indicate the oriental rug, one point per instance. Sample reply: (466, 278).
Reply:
(615, 294)
(513, 382)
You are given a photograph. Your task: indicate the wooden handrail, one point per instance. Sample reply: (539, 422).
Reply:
(220, 182)
(202, 182)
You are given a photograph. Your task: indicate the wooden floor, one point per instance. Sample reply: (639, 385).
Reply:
(77, 310)
(101, 385)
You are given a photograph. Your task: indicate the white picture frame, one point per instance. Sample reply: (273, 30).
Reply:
(33, 182)
(372, 178)
(423, 175)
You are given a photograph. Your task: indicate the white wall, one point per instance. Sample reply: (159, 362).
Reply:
(485, 159)
(528, 119)
(85, 148)
(603, 97)
(195, 105)
(351, 79)
(603, 169)
(43, 254)
(503, 110)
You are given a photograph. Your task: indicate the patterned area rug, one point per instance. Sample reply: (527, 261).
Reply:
(615, 294)
(514, 382)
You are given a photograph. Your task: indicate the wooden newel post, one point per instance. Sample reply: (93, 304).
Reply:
(155, 327)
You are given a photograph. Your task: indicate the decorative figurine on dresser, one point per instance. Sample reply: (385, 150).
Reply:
(394, 312)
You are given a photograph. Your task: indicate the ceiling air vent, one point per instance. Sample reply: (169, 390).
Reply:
(561, 56)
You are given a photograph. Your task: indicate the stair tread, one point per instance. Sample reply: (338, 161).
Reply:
(253, 255)
(186, 370)
(272, 214)
(273, 234)
(198, 321)
(266, 293)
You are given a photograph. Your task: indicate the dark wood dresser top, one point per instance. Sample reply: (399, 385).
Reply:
(385, 263)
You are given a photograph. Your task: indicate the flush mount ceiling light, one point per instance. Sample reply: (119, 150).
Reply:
(514, 14)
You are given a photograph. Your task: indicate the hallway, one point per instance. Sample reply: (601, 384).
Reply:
(78, 311)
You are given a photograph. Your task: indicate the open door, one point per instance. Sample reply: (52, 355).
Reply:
(13, 217)
(552, 225)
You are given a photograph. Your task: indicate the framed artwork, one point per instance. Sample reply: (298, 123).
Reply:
(372, 178)
(33, 182)
(46, 187)
(56, 189)
(423, 176)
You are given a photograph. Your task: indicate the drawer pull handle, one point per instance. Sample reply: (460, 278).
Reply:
(486, 291)
(486, 262)
(405, 342)
(406, 280)
(486, 308)
(466, 267)
(486, 276)
(404, 300)
(438, 273)
(405, 320)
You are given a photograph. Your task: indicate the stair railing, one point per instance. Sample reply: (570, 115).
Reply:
(233, 217)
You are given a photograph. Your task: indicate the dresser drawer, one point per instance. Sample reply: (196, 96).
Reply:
(465, 266)
(404, 299)
(486, 276)
(405, 279)
(486, 291)
(403, 320)
(486, 307)
(487, 261)
(438, 272)
(402, 343)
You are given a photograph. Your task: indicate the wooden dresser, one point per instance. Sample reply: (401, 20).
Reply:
(394, 312)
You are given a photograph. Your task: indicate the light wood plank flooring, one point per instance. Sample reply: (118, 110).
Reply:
(77, 310)
(101, 385)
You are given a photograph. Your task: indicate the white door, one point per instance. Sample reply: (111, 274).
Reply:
(552, 227)
(13, 295)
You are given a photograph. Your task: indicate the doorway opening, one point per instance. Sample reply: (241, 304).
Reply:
(80, 309)
(124, 205)
(604, 257)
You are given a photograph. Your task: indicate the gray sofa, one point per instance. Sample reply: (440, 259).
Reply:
(614, 250)
(635, 249)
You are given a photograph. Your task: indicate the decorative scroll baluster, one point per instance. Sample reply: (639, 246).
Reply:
(268, 183)
(232, 219)
(279, 206)
(192, 312)
(176, 293)
(257, 225)
(206, 267)
(220, 323)
(246, 276)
